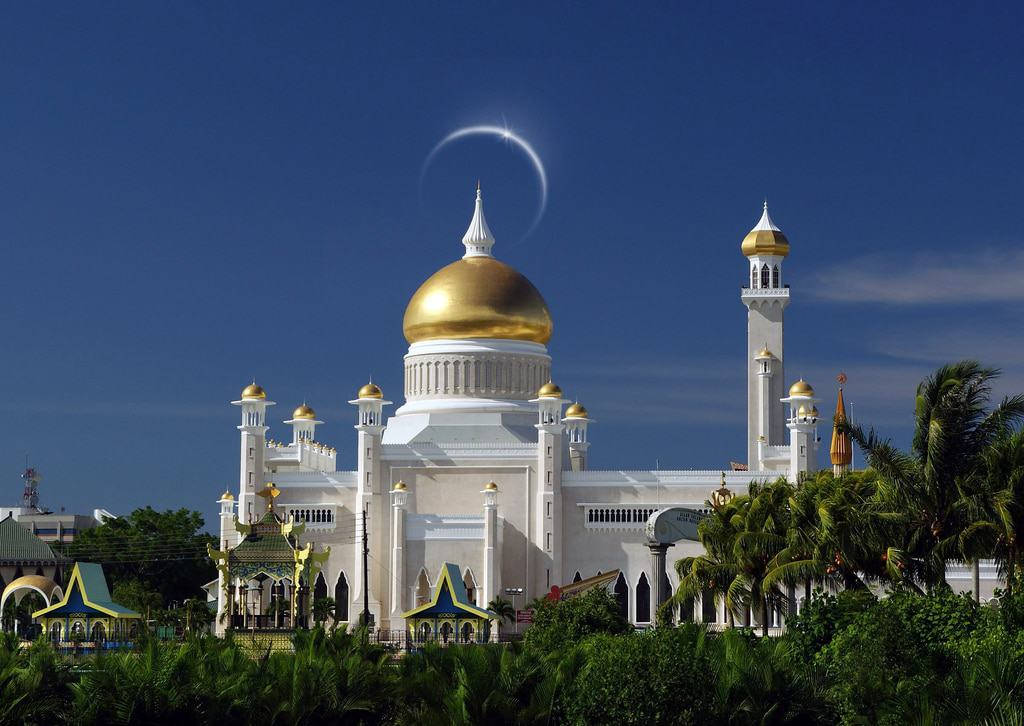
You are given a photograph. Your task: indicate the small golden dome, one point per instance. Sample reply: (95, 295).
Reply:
(252, 392)
(491, 486)
(549, 390)
(813, 413)
(370, 390)
(764, 353)
(228, 495)
(477, 297)
(304, 412)
(801, 388)
(802, 412)
(399, 486)
(576, 410)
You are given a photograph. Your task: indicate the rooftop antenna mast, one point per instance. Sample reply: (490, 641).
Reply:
(30, 494)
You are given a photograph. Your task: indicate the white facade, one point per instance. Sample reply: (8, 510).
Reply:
(474, 413)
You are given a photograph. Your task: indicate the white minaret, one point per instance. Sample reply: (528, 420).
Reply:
(478, 238)
(228, 539)
(576, 421)
(550, 431)
(803, 430)
(370, 404)
(490, 583)
(303, 423)
(254, 444)
(399, 495)
(765, 296)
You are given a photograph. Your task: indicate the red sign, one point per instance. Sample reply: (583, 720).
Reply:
(524, 616)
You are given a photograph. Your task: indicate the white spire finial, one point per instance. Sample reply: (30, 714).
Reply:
(766, 222)
(478, 239)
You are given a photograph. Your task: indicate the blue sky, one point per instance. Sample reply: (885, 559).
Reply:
(195, 194)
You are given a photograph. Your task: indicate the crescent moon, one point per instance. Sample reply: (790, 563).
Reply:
(506, 135)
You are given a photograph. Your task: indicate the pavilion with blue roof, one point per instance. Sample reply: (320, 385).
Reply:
(87, 611)
(449, 617)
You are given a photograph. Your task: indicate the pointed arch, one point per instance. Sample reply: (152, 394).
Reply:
(775, 276)
(422, 588)
(621, 591)
(341, 599)
(643, 599)
(470, 582)
(753, 276)
(320, 588)
(765, 276)
(577, 577)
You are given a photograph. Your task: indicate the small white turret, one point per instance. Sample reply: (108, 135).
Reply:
(802, 425)
(576, 421)
(253, 403)
(303, 423)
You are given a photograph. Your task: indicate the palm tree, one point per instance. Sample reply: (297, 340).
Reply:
(711, 573)
(503, 609)
(997, 505)
(837, 528)
(322, 609)
(930, 483)
(742, 539)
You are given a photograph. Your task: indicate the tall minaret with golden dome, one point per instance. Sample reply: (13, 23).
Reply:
(766, 298)
(253, 429)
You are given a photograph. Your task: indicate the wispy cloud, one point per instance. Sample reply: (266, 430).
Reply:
(990, 275)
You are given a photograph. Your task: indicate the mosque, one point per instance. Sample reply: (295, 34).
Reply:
(484, 463)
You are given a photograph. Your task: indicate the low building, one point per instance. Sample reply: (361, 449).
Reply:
(450, 616)
(87, 612)
(23, 553)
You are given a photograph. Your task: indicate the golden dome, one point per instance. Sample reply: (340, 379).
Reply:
(813, 413)
(399, 486)
(764, 353)
(304, 412)
(227, 495)
(477, 297)
(491, 486)
(765, 242)
(801, 388)
(370, 390)
(549, 390)
(576, 410)
(765, 239)
(253, 392)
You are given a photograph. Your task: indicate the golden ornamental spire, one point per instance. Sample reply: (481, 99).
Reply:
(840, 450)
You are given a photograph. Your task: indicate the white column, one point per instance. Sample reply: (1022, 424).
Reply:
(490, 583)
(253, 431)
(398, 501)
(227, 540)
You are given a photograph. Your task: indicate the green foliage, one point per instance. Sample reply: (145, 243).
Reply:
(165, 552)
(823, 617)
(658, 677)
(502, 608)
(557, 624)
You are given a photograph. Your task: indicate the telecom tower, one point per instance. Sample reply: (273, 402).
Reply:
(30, 495)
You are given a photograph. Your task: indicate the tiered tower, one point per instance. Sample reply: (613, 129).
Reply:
(766, 298)
(839, 449)
(550, 434)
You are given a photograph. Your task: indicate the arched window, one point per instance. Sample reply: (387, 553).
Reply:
(576, 577)
(55, 631)
(622, 595)
(765, 276)
(775, 276)
(425, 632)
(643, 599)
(470, 582)
(708, 611)
(320, 588)
(99, 633)
(446, 632)
(467, 633)
(753, 276)
(341, 599)
(422, 589)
